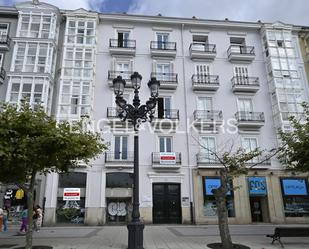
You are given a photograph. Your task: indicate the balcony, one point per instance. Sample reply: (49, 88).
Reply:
(250, 120)
(207, 160)
(202, 51)
(166, 160)
(2, 75)
(163, 49)
(114, 120)
(207, 119)
(205, 82)
(167, 80)
(245, 84)
(5, 41)
(240, 53)
(126, 75)
(166, 119)
(119, 159)
(298, 115)
(122, 47)
(258, 163)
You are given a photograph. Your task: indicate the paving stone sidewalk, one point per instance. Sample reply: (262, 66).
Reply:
(155, 237)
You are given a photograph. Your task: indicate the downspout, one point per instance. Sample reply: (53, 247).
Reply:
(187, 131)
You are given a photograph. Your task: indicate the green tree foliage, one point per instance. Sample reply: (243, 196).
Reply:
(294, 153)
(31, 142)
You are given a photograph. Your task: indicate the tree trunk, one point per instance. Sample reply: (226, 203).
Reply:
(30, 211)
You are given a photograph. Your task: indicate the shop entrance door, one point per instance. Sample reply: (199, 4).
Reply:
(259, 209)
(166, 203)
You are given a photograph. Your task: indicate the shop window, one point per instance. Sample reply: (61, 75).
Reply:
(295, 197)
(119, 180)
(72, 212)
(72, 180)
(210, 206)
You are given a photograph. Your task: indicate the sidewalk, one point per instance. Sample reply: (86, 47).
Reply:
(155, 237)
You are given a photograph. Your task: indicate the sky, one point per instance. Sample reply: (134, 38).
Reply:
(287, 11)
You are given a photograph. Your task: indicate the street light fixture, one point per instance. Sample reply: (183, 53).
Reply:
(136, 114)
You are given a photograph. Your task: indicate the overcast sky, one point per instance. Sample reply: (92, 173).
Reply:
(288, 11)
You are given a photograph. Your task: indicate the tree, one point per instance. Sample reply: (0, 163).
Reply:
(33, 143)
(234, 163)
(295, 152)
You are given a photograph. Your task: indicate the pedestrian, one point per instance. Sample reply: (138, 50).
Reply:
(5, 218)
(24, 220)
(37, 218)
(1, 219)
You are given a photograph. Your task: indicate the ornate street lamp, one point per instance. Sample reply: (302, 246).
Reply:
(136, 114)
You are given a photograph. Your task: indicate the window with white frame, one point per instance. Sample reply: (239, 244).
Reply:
(120, 147)
(75, 98)
(250, 144)
(162, 40)
(37, 25)
(4, 30)
(207, 150)
(27, 88)
(165, 144)
(32, 57)
(80, 31)
(78, 63)
(163, 71)
(1, 59)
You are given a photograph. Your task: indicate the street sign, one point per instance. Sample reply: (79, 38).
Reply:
(71, 194)
(167, 158)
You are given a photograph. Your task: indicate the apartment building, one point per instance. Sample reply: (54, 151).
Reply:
(223, 85)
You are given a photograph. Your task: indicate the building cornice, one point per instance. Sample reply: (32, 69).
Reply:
(8, 11)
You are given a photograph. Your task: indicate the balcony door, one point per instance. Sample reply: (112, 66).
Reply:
(123, 37)
(164, 107)
(121, 148)
(165, 144)
(245, 109)
(241, 74)
(203, 73)
(239, 44)
(162, 40)
(208, 146)
(163, 71)
(122, 69)
(250, 144)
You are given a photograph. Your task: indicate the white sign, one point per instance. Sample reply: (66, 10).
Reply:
(167, 158)
(71, 194)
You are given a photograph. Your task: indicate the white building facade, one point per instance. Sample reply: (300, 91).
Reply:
(219, 86)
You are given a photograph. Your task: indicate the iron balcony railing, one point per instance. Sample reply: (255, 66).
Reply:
(117, 43)
(205, 79)
(161, 45)
(165, 77)
(250, 116)
(245, 81)
(172, 114)
(202, 47)
(126, 75)
(207, 115)
(5, 40)
(118, 156)
(2, 75)
(156, 157)
(207, 158)
(240, 49)
(112, 112)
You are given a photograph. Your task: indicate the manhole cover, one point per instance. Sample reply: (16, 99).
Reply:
(8, 246)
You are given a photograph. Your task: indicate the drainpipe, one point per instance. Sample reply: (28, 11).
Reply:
(187, 132)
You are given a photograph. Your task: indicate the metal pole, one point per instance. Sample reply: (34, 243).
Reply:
(135, 227)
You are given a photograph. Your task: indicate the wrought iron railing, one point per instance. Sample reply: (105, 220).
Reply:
(126, 75)
(156, 157)
(250, 116)
(205, 79)
(245, 81)
(161, 45)
(207, 115)
(172, 114)
(165, 77)
(240, 49)
(118, 156)
(122, 43)
(203, 47)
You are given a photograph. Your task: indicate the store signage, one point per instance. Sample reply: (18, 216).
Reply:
(257, 185)
(295, 186)
(167, 158)
(212, 183)
(71, 194)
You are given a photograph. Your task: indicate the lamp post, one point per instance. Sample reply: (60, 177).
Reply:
(136, 114)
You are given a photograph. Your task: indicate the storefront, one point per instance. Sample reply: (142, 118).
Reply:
(257, 187)
(295, 197)
(71, 198)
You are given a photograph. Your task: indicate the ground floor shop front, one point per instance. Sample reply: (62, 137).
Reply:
(105, 197)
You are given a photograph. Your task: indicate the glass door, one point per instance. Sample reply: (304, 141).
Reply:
(241, 74)
(121, 148)
(245, 109)
(165, 144)
(208, 148)
(162, 40)
(203, 73)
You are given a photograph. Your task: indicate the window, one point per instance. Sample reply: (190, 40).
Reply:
(241, 75)
(80, 32)
(203, 73)
(122, 38)
(164, 107)
(121, 147)
(295, 197)
(245, 109)
(163, 71)
(200, 42)
(204, 103)
(119, 180)
(210, 206)
(165, 144)
(162, 41)
(4, 30)
(72, 180)
(238, 45)
(249, 144)
(207, 149)
(280, 43)
(1, 60)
